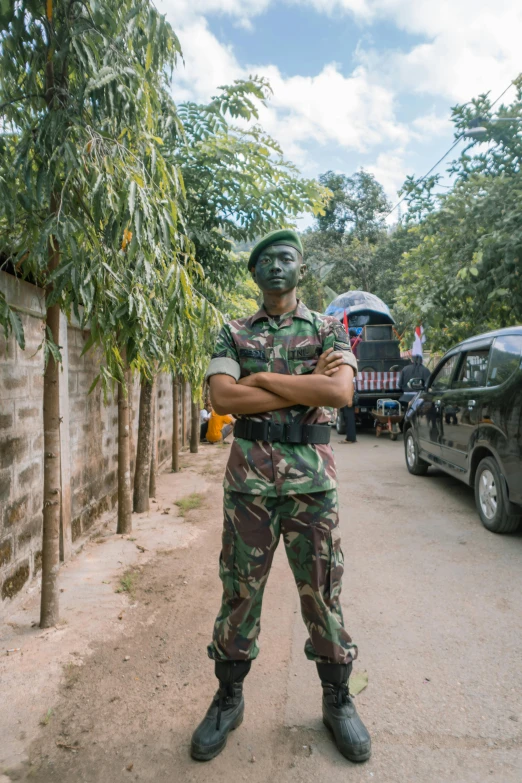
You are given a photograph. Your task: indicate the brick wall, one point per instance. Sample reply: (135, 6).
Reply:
(89, 440)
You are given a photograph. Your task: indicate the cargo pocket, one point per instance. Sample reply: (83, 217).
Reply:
(335, 571)
(228, 566)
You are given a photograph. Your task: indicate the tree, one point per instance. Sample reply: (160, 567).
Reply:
(344, 250)
(88, 202)
(464, 275)
(144, 449)
(238, 186)
(238, 183)
(357, 207)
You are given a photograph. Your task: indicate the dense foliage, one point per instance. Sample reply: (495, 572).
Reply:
(238, 184)
(465, 274)
(454, 262)
(141, 201)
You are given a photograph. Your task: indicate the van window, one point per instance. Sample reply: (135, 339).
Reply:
(505, 358)
(473, 371)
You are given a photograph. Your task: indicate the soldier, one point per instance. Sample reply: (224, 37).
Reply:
(279, 371)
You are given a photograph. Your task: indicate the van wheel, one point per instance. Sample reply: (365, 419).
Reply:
(494, 508)
(340, 426)
(416, 465)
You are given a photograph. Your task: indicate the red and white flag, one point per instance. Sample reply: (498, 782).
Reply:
(418, 341)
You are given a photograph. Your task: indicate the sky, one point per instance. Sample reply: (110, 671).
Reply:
(356, 83)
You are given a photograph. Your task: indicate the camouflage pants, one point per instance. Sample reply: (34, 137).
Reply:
(252, 527)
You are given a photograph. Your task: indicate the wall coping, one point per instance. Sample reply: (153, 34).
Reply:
(28, 298)
(23, 296)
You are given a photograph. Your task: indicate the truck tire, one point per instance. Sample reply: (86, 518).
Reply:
(340, 426)
(415, 465)
(496, 513)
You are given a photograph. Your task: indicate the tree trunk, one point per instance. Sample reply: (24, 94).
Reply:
(52, 487)
(175, 424)
(154, 447)
(194, 428)
(132, 445)
(185, 421)
(124, 452)
(49, 610)
(143, 452)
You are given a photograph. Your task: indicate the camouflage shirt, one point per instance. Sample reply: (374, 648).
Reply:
(290, 345)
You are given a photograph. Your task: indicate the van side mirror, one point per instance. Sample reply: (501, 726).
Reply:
(416, 384)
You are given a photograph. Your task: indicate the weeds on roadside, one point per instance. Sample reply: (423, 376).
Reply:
(195, 500)
(128, 583)
(44, 721)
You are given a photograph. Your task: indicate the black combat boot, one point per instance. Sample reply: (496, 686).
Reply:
(339, 713)
(224, 714)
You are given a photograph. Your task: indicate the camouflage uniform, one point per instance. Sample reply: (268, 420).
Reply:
(280, 488)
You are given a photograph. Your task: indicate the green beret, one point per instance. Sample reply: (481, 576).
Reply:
(284, 236)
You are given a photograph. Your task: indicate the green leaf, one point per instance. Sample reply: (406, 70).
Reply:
(17, 327)
(148, 59)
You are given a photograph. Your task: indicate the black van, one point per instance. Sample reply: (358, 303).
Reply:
(467, 421)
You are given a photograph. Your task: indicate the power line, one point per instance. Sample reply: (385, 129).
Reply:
(503, 93)
(421, 179)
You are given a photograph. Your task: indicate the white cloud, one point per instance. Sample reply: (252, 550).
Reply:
(469, 47)
(182, 11)
(208, 62)
(390, 170)
(354, 111)
(430, 125)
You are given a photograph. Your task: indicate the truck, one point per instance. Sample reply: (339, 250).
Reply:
(377, 349)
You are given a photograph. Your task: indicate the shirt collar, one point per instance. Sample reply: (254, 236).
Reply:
(301, 311)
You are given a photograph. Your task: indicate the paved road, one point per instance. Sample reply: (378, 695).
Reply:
(432, 598)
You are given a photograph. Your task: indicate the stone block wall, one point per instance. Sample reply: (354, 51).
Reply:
(21, 451)
(89, 439)
(93, 449)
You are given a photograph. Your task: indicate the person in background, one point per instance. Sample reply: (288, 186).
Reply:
(219, 427)
(204, 415)
(348, 414)
(414, 370)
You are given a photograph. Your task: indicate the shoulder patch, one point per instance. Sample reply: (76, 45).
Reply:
(219, 354)
(340, 334)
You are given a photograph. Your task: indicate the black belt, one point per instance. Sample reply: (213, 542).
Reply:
(281, 433)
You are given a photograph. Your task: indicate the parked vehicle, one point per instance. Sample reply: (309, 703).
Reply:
(377, 350)
(468, 422)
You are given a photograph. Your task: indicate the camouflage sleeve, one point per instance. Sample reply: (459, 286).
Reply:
(335, 337)
(225, 360)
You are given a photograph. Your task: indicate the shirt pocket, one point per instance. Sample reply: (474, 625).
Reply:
(252, 360)
(303, 360)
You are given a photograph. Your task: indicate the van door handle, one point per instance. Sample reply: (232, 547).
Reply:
(471, 404)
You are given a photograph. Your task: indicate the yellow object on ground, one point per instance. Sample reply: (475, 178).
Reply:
(215, 426)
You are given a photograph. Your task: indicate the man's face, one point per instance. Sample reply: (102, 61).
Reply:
(279, 268)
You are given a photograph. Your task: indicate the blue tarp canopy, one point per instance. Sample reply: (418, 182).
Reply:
(361, 308)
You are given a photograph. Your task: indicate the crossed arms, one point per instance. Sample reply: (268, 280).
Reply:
(331, 385)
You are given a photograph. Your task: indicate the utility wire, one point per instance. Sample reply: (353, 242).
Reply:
(503, 93)
(421, 179)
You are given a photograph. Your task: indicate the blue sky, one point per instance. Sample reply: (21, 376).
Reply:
(357, 83)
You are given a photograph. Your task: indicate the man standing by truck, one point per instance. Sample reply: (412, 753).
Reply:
(414, 370)
(278, 371)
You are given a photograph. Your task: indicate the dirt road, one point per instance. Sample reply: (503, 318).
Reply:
(433, 600)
